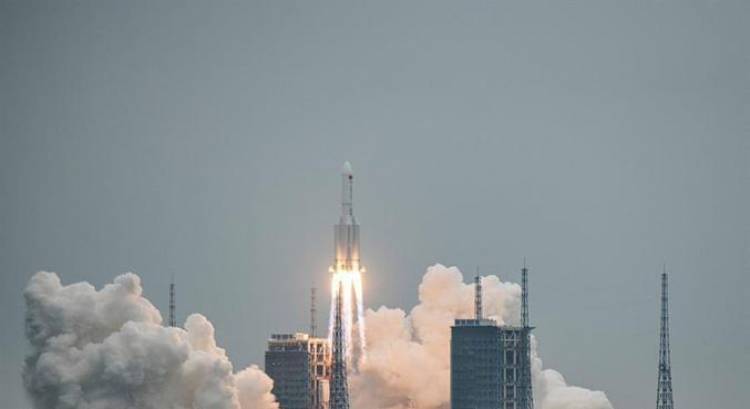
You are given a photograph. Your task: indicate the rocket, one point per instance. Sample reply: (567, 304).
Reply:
(346, 232)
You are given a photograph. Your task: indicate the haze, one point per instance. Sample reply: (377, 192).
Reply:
(597, 139)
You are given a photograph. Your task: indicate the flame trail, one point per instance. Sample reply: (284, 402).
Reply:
(360, 315)
(351, 285)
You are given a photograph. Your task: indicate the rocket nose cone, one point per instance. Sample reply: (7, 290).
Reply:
(346, 169)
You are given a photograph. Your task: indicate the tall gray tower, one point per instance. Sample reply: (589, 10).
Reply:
(478, 297)
(313, 313)
(339, 386)
(172, 317)
(526, 393)
(664, 389)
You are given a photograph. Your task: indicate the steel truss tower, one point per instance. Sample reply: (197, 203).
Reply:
(339, 387)
(172, 318)
(313, 313)
(527, 393)
(664, 389)
(478, 297)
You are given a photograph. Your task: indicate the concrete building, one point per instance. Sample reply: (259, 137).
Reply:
(476, 365)
(300, 368)
(490, 364)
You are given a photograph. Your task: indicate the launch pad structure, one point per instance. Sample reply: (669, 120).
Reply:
(664, 398)
(491, 364)
(299, 365)
(339, 392)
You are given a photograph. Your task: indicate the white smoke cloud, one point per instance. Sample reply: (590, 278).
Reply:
(107, 349)
(408, 363)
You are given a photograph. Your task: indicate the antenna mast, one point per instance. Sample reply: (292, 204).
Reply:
(524, 295)
(664, 390)
(477, 296)
(527, 393)
(313, 312)
(172, 318)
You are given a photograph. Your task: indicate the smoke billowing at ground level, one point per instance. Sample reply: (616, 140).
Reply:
(107, 349)
(408, 361)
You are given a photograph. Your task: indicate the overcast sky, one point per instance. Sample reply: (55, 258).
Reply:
(599, 139)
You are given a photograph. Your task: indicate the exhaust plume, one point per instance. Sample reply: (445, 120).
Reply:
(408, 363)
(107, 349)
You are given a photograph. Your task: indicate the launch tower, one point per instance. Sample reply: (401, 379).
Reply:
(526, 393)
(664, 389)
(172, 315)
(339, 395)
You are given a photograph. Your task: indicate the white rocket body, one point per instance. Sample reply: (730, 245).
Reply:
(346, 232)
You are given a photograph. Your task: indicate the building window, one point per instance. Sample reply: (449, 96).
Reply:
(510, 357)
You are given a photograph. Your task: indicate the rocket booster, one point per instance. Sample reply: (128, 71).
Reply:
(346, 232)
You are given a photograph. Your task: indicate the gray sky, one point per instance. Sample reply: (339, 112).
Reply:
(599, 139)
